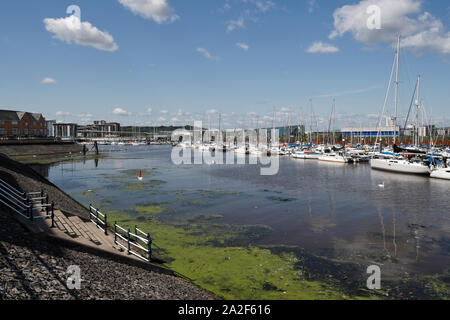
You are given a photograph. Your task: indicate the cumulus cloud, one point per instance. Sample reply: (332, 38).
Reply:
(243, 46)
(207, 55)
(157, 10)
(420, 30)
(236, 24)
(48, 81)
(121, 112)
(211, 112)
(72, 30)
(320, 47)
(62, 114)
(164, 111)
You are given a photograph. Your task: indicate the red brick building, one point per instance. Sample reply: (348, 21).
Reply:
(14, 124)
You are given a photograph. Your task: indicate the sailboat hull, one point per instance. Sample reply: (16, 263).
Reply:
(441, 174)
(399, 166)
(305, 155)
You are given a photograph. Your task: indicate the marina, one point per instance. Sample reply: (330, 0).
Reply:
(338, 213)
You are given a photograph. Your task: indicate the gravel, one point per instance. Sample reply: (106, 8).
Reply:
(32, 268)
(24, 178)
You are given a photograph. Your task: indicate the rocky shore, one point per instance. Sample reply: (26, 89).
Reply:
(33, 268)
(24, 178)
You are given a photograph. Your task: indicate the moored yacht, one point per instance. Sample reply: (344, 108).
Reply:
(335, 157)
(400, 165)
(306, 154)
(441, 173)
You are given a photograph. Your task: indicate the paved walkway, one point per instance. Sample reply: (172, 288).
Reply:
(75, 229)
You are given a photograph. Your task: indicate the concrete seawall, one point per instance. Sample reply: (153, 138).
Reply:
(40, 149)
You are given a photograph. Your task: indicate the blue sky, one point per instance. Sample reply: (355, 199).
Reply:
(189, 60)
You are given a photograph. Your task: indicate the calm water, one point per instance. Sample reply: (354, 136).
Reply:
(332, 210)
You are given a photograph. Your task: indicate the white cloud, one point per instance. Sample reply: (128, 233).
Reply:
(48, 81)
(212, 112)
(149, 111)
(320, 47)
(207, 55)
(157, 10)
(420, 30)
(243, 46)
(72, 30)
(164, 111)
(236, 24)
(312, 5)
(62, 114)
(344, 93)
(121, 112)
(264, 6)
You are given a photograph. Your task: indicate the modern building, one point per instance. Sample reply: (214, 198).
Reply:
(65, 131)
(50, 128)
(386, 131)
(99, 129)
(19, 124)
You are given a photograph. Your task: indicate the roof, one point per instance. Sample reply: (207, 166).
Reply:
(11, 115)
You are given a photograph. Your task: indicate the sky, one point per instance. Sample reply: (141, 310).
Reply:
(170, 62)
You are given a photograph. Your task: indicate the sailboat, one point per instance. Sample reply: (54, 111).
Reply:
(441, 173)
(399, 163)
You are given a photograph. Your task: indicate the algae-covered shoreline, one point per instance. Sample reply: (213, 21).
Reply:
(227, 259)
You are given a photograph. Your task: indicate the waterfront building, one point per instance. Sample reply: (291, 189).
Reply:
(99, 129)
(65, 131)
(20, 124)
(50, 128)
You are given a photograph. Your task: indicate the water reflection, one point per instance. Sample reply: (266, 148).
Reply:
(334, 210)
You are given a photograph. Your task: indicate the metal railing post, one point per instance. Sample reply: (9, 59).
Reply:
(115, 231)
(106, 225)
(53, 214)
(96, 217)
(29, 208)
(129, 246)
(149, 247)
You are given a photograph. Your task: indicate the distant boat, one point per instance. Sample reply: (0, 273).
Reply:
(400, 166)
(335, 157)
(306, 154)
(441, 173)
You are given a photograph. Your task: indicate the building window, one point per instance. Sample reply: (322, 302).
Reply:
(2, 131)
(25, 132)
(14, 123)
(15, 131)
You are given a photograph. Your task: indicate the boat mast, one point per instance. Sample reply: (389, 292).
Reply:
(416, 131)
(311, 121)
(396, 90)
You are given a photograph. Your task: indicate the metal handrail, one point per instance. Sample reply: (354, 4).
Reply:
(132, 241)
(17, 198)
(17, 211)
(25, 204)
(16, 202)
(98, 219)
(14, 190)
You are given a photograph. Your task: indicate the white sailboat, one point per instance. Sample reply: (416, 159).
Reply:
(396, 163)
(334, 157)
(306, 154)
(441, 173)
